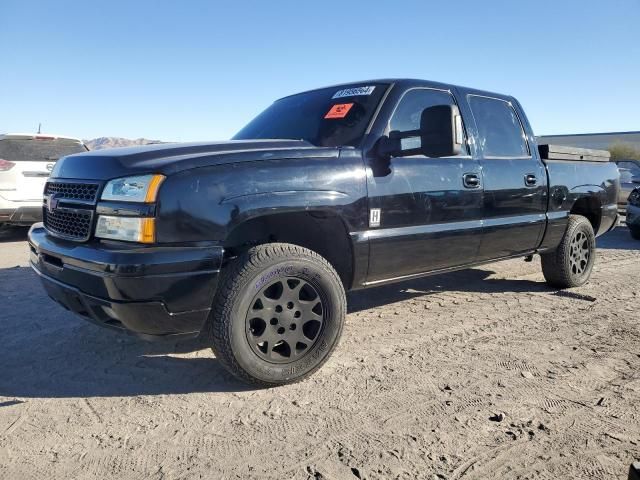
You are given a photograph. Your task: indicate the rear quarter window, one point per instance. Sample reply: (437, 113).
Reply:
(500, 133)
(34, 150)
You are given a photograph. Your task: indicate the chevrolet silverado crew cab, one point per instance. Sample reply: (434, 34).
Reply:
(253, 242)
(26, 160)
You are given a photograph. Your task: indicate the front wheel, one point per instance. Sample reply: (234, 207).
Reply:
(571, 263)
(635, 232)
(277, 315)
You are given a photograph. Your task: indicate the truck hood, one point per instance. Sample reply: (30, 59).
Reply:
(171, 158)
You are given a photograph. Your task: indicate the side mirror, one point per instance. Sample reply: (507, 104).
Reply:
(441, 131)
(440, 135)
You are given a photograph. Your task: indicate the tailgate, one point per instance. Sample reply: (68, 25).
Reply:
(29, 180)
(27, 162)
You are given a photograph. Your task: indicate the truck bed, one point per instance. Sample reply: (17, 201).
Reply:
(562, 152)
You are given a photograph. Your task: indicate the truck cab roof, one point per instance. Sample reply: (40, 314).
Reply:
(411, 83)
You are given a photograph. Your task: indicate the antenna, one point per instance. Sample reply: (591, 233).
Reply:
(39, 128)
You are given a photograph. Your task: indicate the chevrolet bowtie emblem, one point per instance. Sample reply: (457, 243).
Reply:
(52, 203)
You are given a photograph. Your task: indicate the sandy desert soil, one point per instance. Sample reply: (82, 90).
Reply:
(484, 373)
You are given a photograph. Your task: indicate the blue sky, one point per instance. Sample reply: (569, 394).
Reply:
(199, 70)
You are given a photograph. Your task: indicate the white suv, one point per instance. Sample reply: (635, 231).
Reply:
(26, 160)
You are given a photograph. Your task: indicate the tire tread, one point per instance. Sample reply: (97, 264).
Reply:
(232, 280)
(556, 267)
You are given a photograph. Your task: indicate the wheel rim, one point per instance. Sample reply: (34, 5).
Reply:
(285, 320)
(579, 253)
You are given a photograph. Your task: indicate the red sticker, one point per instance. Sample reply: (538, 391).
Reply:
(339, 111)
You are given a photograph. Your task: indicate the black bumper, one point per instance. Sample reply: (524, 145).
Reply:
(149, 291)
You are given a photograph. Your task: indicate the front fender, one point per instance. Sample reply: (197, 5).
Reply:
(206, 204)
(247, 207)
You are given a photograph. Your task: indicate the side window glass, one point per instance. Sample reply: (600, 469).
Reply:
(500, 132)
(625, 175)
(409, 110)
(634, 168)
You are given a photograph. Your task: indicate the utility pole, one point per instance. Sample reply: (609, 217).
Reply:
(39, 127)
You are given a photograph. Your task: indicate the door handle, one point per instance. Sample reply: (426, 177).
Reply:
(471, 180)
(530, 180)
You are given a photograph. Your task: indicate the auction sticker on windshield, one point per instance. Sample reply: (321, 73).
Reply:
(339, 111)
(354, 92)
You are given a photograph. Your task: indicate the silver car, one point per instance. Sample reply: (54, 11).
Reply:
(629, 179)
(633, 213)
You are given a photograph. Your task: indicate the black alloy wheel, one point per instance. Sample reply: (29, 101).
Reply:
(285, 320)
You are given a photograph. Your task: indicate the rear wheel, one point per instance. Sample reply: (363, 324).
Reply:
(635, 232)
(278, 314)
(571, 263)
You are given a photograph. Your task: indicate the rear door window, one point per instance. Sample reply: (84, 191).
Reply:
(500, 133)
(37, 150)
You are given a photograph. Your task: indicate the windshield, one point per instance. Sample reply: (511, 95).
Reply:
(38, 150)
(330, 117)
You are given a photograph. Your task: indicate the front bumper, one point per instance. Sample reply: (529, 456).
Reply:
(149, 291)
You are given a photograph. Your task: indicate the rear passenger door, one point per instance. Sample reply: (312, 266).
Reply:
(514, 179)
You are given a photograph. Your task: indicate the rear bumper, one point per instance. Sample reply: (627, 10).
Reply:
(633, 216)
(21, 215)
(149, 291)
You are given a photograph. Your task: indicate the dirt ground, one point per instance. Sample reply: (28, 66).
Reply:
(483, 373)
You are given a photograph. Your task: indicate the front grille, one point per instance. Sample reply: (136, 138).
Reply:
(68, 209)
(72, 191)
(74, 224)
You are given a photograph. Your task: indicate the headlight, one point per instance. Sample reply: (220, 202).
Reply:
(141, 188)
(634, 198)
(129, 229)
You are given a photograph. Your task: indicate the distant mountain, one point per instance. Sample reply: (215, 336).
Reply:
(115, 142)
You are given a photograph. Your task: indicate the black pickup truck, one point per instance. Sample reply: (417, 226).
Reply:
(253, 242)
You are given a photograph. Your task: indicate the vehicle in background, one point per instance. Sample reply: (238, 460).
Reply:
(629, 179)
(633, 213)
(26, 160)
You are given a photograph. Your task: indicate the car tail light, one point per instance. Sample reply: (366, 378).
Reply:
(5, 165)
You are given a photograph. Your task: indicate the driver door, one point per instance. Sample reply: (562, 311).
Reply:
(430, 209)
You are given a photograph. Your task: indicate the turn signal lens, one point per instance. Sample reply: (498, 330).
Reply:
(148, 233)
(154, 186)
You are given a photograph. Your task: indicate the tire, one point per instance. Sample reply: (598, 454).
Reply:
(571, 263)
(277, 315)
(635, 232)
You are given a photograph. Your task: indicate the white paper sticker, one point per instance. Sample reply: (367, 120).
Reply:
(354, 92)
(374, 217)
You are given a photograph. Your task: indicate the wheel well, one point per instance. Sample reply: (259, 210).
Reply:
(322, 232)
(590, 208)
